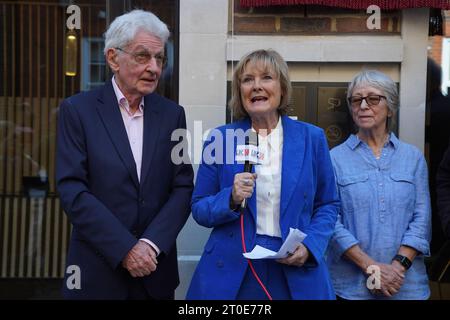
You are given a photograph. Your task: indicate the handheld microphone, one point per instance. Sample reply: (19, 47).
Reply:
(251, 148)
(250, 154)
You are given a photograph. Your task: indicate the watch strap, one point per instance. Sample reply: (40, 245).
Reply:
(404, 261)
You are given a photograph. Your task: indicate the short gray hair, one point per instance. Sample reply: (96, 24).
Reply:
(271, 60)
(124, 28)
(380, 81)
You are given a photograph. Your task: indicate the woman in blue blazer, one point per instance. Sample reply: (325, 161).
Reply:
(292, 187)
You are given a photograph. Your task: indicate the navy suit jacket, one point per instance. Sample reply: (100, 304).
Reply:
(308, 202)
(107, 205)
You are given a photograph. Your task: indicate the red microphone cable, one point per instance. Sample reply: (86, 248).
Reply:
(248, 260)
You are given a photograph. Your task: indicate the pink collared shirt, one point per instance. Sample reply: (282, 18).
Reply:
(134, 125)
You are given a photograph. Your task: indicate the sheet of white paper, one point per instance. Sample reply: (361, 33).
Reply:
(294, 238)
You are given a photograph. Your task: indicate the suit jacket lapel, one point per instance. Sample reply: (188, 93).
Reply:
(293, 156)
(151, 131)
(109, 112)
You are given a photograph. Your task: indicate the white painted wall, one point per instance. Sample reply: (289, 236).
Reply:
(413, 76)
(202, 92)
(365, 48)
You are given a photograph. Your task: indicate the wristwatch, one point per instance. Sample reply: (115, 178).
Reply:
(404, 261)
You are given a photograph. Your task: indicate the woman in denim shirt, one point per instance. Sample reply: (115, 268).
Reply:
(383, 229)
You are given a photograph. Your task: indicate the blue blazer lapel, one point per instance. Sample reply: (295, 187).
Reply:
(151, 131)
(109, 112)
(293, 156)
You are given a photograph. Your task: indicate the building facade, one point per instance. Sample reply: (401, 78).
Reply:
(42, 64)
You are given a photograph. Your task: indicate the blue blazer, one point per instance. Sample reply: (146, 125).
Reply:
(309, 202)
(107, 205)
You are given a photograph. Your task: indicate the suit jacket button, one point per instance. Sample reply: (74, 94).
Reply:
(219, 264)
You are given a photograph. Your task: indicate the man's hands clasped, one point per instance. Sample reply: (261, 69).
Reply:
(141, 260)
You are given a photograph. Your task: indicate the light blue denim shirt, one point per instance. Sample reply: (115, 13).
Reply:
(385, 203)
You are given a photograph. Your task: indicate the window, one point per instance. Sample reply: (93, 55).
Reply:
(93, 63)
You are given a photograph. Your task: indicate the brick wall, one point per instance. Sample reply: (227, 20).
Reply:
(435, 42)
(435, 48)
(446, 29)
(310, 20)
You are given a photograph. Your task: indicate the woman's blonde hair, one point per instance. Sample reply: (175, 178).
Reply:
(271, 60)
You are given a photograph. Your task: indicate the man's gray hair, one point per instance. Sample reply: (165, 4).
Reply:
(124, 28)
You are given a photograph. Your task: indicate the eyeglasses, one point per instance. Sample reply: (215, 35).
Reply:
(144, 57)
(371, 100)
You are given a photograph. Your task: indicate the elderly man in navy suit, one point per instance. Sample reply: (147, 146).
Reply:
(124, 195)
